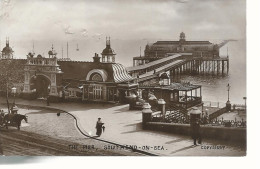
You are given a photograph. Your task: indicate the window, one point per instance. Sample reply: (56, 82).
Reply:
(72, 93)
(172, 98)
(85, 92)
(90, 92)
(97, 77)
(95, 92)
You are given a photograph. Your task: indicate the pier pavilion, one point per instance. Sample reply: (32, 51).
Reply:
(162, 49)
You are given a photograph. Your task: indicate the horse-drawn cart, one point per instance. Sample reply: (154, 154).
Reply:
(12, 119)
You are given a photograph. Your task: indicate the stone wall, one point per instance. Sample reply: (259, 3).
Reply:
(214, 132)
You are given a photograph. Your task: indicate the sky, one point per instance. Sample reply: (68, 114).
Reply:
(135, 23)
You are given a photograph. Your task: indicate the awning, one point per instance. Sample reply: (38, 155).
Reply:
(120, 74)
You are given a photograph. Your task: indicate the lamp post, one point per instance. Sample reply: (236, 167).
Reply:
(228, 89)
(245, 101)
(228, 105)
(14, 92)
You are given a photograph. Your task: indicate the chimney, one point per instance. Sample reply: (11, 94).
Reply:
(96, 58)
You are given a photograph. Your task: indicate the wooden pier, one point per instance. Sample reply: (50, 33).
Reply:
(201, 66)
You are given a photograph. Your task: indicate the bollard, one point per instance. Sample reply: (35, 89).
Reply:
(146, 113)
(161, 104)
(228, 106)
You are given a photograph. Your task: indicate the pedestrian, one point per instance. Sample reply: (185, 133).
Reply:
(195, 131)
(99, 127)
(48, 100)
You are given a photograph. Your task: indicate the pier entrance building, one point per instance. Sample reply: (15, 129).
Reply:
(42, 76)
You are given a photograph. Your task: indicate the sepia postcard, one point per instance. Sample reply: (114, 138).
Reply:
(123, 78)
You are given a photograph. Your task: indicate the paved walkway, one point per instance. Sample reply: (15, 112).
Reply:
(124, 127)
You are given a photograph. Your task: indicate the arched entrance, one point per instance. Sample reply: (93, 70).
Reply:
(41, 84)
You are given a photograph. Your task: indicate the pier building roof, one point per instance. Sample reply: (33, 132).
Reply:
(114, 72)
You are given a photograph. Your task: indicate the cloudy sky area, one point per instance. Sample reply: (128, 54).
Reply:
(137, 22)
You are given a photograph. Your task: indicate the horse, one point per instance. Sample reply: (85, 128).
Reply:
(14, 120)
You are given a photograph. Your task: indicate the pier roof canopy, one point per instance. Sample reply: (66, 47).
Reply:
(174, 86)
(115, 72)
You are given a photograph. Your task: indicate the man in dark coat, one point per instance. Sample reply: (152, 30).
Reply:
(195, 131)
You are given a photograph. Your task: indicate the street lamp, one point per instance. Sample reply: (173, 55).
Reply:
(228, 105)
(245, 101)
(14, 92)
(228, 89)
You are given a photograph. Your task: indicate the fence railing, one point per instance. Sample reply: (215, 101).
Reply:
(239, 107)
(217, 113)
(228, 123)
(214, 104)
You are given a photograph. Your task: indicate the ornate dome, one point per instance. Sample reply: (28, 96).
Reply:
(52, 52)
(7, 50)
(39, 56)
(31, 54)
(164, 76)
(182, 36)
(108, 50)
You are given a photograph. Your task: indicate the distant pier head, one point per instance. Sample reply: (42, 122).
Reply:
(180, 57)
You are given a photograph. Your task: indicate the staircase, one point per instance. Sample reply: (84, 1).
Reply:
(176, 114)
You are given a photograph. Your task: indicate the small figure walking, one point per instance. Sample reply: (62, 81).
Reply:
(195, 131)
(48, 101)
(99, 127)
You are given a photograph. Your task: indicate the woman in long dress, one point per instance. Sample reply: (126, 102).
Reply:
(99, 126)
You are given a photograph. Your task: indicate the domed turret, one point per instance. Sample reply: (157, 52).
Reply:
(31, 54)
(7, 52)
(182, 36)
(164, 79)
(52, 53)
(39, 56)
(108, 54)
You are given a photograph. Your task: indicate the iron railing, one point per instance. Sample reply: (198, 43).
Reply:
(228, 123)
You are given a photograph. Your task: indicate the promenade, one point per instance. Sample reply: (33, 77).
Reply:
(124, 127)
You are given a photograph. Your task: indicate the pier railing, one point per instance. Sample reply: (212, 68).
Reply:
(228, 123)
(239, 107)
(217, 113)
(214, 104)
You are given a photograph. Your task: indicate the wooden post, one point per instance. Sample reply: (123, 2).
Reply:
(213, 66)
(186, 99)
(206, 66)
(223, 67)
(203, 67)
(217, 67)
(227, 66)
(192, 66)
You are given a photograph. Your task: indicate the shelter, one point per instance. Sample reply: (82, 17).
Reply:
(180, 94)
